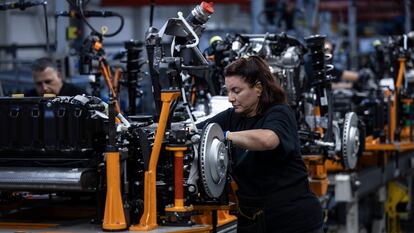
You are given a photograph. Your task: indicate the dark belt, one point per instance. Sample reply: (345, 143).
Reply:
(277, 198)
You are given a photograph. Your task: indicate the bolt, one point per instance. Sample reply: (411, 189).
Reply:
(191, 189)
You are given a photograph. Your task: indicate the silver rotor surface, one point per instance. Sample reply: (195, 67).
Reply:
(350, 140)
(213, 160)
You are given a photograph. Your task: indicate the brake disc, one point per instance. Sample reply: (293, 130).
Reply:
(213, 160)
(350, 140)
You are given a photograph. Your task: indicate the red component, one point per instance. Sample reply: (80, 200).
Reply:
(208, 7)
(178, 177)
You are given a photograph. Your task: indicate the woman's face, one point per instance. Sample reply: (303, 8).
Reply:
(244, 98)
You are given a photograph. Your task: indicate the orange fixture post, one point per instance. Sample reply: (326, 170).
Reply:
(148, 220)
(114, 217)
(390, 127)
(400, 76)
(318, 174)
(394, 113)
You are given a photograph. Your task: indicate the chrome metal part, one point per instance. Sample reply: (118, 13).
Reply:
(213, 160)
(47, 178)
(350, 140)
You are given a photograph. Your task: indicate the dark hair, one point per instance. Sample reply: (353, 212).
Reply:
(252, 70)
(41, 64)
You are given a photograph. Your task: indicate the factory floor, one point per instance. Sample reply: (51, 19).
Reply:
(86, 227)
(42, 214)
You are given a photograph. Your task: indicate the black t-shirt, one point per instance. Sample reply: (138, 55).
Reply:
(260, 173)
(67, 89)
(278, 177)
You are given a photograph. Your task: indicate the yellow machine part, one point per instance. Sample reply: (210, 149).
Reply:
(397, 193)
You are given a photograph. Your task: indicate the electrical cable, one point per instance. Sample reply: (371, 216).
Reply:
(113, 14)
(152, 6)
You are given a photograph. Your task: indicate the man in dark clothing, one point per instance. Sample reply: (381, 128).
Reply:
(48, 80)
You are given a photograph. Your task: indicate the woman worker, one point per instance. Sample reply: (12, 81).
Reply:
(273, 188)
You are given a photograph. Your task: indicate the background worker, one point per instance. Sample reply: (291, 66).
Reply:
(346, 78)
(273, 189)
(48, 80)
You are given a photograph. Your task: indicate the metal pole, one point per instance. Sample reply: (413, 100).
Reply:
(61, 25)
(3, 23)
(314, 16)
(352, 34)
(4, 36)
(256, 8)
(407, 6)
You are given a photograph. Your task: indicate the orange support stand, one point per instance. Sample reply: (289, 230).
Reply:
(223, 215)
(318, 174)
(114, 217)
(223, 212)
(400, 78)
(148, 220)
(400, 146)
(333, 166)
(389, 127)
(178, 180)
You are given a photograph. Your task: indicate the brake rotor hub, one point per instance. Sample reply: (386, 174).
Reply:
(350, 140)
(214, 160)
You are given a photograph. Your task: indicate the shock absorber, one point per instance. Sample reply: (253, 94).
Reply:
(320, 77)
(134, 49)
(320, 59)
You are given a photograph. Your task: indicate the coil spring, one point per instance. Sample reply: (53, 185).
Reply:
(316, 45)
(134, 49)
(328, 63)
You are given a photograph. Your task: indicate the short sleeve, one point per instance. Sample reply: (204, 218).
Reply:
(222, 118)
(281, 120)
(337, 74)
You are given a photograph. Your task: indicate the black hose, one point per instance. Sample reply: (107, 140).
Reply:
(113, 14)
(152, 12)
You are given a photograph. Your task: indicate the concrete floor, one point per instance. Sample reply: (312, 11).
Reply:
(87, 227)
(61, 216)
